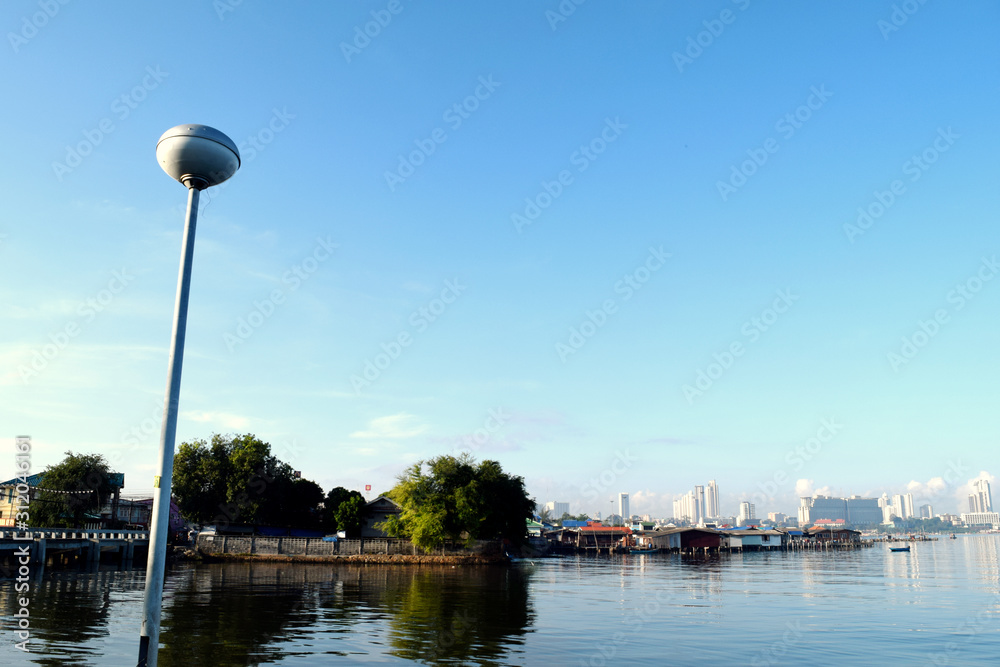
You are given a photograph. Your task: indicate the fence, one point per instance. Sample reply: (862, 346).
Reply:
(318, 547)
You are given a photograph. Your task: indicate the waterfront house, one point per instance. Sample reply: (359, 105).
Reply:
(378, 511)
(752, 539)
(597, 536)
(686, 539)
(830, 533)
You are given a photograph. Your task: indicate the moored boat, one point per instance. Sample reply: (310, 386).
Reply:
(906, 548)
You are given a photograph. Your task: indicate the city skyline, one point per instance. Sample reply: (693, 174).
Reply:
(633, 249)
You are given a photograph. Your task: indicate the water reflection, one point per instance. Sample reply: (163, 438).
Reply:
(239, 614)
(448, 617)
(71, 610)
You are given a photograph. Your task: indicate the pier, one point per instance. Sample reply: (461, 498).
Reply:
(53, 545)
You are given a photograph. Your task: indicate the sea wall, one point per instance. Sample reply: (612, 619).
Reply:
(230, 547)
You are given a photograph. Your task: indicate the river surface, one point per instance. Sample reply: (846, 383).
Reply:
(938, 604)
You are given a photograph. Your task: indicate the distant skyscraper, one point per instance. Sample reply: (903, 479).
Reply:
(748, 513)
(699, 499)
(623, 506)
(712, 501)
(981, 500)
(557, 509)
(902, 505)
(926, 512)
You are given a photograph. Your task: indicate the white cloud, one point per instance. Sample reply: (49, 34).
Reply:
(932, 488)
(804, 488)
(393, 427)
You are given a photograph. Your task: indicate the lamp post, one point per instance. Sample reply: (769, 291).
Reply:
(199, 157)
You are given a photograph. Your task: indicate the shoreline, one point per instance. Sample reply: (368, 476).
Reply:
(365, 559)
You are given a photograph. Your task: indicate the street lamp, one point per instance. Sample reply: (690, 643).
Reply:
(199, 157)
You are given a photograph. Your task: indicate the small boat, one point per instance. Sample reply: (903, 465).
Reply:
(953, 536)
(906, 548)
(644, 550)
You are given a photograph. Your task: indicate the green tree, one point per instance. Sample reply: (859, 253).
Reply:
(453, 498)
(236, 479)
(350, 515)
(333, 520)
(88, 479)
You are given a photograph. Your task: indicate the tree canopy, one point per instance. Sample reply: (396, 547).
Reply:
(88, 479)
(454, 498)
(236, 479)
(343, 510)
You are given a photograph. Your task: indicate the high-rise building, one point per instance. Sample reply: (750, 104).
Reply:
(678, 509)
(855, 510)
(699, 499)
(712, 501)
(902, 505)
(926, 512)
(557, 509)
(623, 506)
(981, 500)
(748, 514)
(863, 511)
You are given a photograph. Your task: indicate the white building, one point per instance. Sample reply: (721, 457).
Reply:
(712, 501)
(748, 513)
(557, 509)
(980, 500)
(902, 505)
(623, 506)
(699, 499)
(981, 519)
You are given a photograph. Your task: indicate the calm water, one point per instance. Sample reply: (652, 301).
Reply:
(939, 604)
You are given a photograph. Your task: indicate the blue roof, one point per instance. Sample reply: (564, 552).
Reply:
(573, 523)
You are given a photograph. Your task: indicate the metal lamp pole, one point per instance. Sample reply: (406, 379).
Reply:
(199, 157)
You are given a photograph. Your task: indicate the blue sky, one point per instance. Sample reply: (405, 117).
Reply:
(624, 246)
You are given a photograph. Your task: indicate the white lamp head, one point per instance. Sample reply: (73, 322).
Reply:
(198, 156)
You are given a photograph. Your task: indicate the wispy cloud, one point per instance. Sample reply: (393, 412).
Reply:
(392, 427)
(224, 419)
